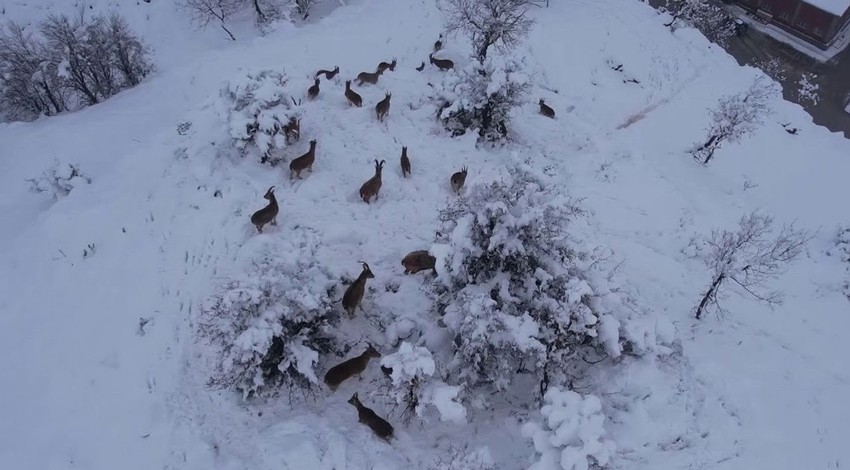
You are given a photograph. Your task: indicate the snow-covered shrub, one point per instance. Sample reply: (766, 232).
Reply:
(520, 293)
(59, 180)
(257, 106)
(411, 366)
(748, 258)
(461, 459)
(710, 18)
(446, 400)
(572, 435)
(481, 96)
(266, 329)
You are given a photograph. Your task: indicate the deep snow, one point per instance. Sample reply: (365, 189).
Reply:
(87, 386)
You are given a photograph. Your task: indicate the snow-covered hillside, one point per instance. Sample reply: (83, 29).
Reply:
(101, 290)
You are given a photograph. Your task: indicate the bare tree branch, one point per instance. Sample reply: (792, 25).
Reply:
(750, 257)
(501, 23)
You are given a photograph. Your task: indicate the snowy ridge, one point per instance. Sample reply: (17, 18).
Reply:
(100, 366)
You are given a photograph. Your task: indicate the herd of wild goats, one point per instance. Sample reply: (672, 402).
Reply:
(414, 262)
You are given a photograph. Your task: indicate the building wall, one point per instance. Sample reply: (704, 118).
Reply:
(800, 18)
(814, 22)
(783, 11)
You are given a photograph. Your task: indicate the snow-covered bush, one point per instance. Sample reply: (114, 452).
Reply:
(711, 19)
(257, 106)
(411, 366)
(59, 180)
(267, 328)
(519, 293)
(572, 435)
(481, 96)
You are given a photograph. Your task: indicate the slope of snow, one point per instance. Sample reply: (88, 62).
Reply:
(87, 386)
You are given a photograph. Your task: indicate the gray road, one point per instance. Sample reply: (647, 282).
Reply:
(833, 77)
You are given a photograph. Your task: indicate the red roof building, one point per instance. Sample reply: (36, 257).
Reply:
(816, 21)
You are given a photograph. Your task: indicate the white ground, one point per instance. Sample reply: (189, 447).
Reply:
(84, 387)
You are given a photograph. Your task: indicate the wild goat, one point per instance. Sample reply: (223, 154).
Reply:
(378, 425)
(347, 369)
(313, 91)
(366, 77)
(421, 67)
(438, 44)
(371, 187)
(267, 214)
(329, 74)
(354, 294)
(546, 110)
(405, 163)
(383, 107)
(416, 261)
(442, 64)
(352, 96)
(458, 179)
(292, 130)
(304, 162)
(383, 66)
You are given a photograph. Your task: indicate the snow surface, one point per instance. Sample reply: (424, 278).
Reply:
(98, 366)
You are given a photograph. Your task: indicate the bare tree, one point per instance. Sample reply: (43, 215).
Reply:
(29, 85)
(205, 12)
(735, 117)
(489, 22)
(712, 20)
(303, 7)
(128, 54)
(748, 258)
(96, 57)
(77, 62)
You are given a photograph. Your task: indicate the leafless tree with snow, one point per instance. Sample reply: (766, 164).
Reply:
(489, 22)
(303, 7)
(205, 12)
(735, 117)
(748, 258)
(29, 85)
(711, 19)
